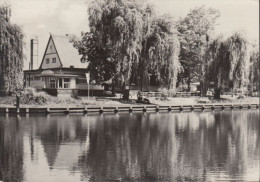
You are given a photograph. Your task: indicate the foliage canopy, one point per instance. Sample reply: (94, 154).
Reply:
(11, 53)
(127, 42)
(228, 62)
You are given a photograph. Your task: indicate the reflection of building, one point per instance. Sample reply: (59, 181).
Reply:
(61, 71)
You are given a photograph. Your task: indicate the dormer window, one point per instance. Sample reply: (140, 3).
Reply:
(47, 61)
(53, 60)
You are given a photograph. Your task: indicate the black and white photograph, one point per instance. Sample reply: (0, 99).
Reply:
(129, 90)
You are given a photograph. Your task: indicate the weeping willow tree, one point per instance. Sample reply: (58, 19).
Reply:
(254, 68)
(128, 43)
(228, 63)
(160, 53)
(11, 53)
(118, 24)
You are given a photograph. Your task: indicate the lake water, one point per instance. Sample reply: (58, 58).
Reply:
(194, 146)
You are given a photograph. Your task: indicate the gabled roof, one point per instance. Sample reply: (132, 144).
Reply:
(67, 53)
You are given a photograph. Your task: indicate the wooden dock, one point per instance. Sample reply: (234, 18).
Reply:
(130, 109)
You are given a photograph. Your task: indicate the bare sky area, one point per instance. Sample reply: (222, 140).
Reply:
(41, 17)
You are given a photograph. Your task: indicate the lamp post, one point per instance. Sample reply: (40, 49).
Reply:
(87, 78)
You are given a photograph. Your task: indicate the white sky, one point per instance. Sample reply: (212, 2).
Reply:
(40, 17)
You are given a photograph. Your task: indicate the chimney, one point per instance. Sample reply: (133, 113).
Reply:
(31, 65)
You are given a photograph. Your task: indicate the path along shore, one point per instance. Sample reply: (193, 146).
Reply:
(104, 105)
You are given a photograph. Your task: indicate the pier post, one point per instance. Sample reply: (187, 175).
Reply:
(67, 111)
(157, 108)
(116, 110)
(144, 109)
(130, 109)
(101, 110)
(212, 107)
(85, 111)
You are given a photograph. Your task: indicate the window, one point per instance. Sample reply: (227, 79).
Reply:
(47, 61)
(27, 78)
(50, 47)
(60, 82)
(53, 60)
(81, 81)
(37, 78)
(66, 82)
(52, 83)
(43, 79)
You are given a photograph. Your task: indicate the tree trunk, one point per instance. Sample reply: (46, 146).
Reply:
(201, 90)
(217, 92)
(205, 87)
(125, 92)
(252, 86)
(189, 81)
(113, 90)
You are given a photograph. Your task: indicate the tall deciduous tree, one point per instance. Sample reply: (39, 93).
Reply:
(119, 25)
(127, 42)
(11, 53)
(195, 30)
(228, 63)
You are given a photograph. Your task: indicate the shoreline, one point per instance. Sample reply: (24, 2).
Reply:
(114, 105)
(115, 109)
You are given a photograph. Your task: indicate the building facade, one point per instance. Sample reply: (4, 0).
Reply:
(61, 71)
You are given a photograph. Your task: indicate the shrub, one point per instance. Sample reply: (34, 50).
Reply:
(164, 92)
(241, 96)
(31, 96)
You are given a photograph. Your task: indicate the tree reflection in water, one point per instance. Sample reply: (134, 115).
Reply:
(196, 146)
(11, 149)
(187, 146)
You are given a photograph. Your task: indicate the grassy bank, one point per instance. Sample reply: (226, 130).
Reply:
(108, 101)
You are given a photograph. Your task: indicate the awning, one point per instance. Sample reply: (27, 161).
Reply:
(47, 73)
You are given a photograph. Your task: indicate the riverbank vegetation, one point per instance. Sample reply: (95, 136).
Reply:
(30, 97)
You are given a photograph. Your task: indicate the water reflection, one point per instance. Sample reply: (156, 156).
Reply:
(197, 146)
(11, 149)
